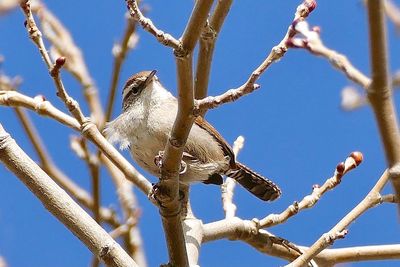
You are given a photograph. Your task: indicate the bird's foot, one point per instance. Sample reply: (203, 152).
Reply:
(158, 159)
(183, 167)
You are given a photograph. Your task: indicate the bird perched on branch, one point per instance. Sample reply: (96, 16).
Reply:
(149, 112)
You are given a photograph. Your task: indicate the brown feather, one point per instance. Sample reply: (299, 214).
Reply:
(226, 148)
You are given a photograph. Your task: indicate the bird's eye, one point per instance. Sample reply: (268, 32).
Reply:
(135, 90)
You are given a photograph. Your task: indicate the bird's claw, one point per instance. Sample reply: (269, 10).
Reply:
(183, 167)
(158, 161)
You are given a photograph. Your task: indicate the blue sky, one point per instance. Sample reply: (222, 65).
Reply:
(295, 131)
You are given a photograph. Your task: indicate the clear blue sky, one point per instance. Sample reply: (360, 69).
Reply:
(295, 131)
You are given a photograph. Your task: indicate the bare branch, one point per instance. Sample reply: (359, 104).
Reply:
(277, 52)
(132, 236)
(364, 253)
(43, 107)
(393, 13)
(79, 145)
(247, 231)
(339, 230)
(351, 162)
(311, 41)
(64, 45)
(60, 204)
(7, 6)
(120, 52)
(193, 228)
(54, 69)
(206, 48)
(88, 128)
(380, 91)
(39, 105)
(164, 38)
(229, 185)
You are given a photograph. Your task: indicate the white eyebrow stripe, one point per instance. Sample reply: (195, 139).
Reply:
(127, 90)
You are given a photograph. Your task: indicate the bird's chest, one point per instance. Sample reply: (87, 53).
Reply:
(146, 143)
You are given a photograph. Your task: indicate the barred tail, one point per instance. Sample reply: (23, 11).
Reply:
(259, 186)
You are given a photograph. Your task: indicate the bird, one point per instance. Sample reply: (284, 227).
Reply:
(143, 127)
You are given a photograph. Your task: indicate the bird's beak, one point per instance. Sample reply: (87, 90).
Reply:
(150, 77)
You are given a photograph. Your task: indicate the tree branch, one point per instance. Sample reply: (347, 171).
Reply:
(7, 6)
(380, 91)
(248, 231)
(393, 13)
(364, 253)
(168, 193)
(39, 105)
(229, 185)
(206, 48)
(164, 38)
(87, 128)
(120, 52)
(59, 177)
(339, 230)
(277, 52)
(43, 107)
(311, 41)
(132, 236)
(351, 162)
(167, 190)
(64, 45)
(60, 204)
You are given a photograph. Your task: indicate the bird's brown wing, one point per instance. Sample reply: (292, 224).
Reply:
(226, 148)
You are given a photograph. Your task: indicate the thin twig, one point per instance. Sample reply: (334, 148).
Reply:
(164, 38)
(351, 162)
(229, 185)
(43, 107)
(311, 41)
(79, 146)
(7, 6)
(54, 69)
(132, 238)
(393, 13)
(64, 45)
(339, 230)
(120, 52)
(87, 127)
(277, 52)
